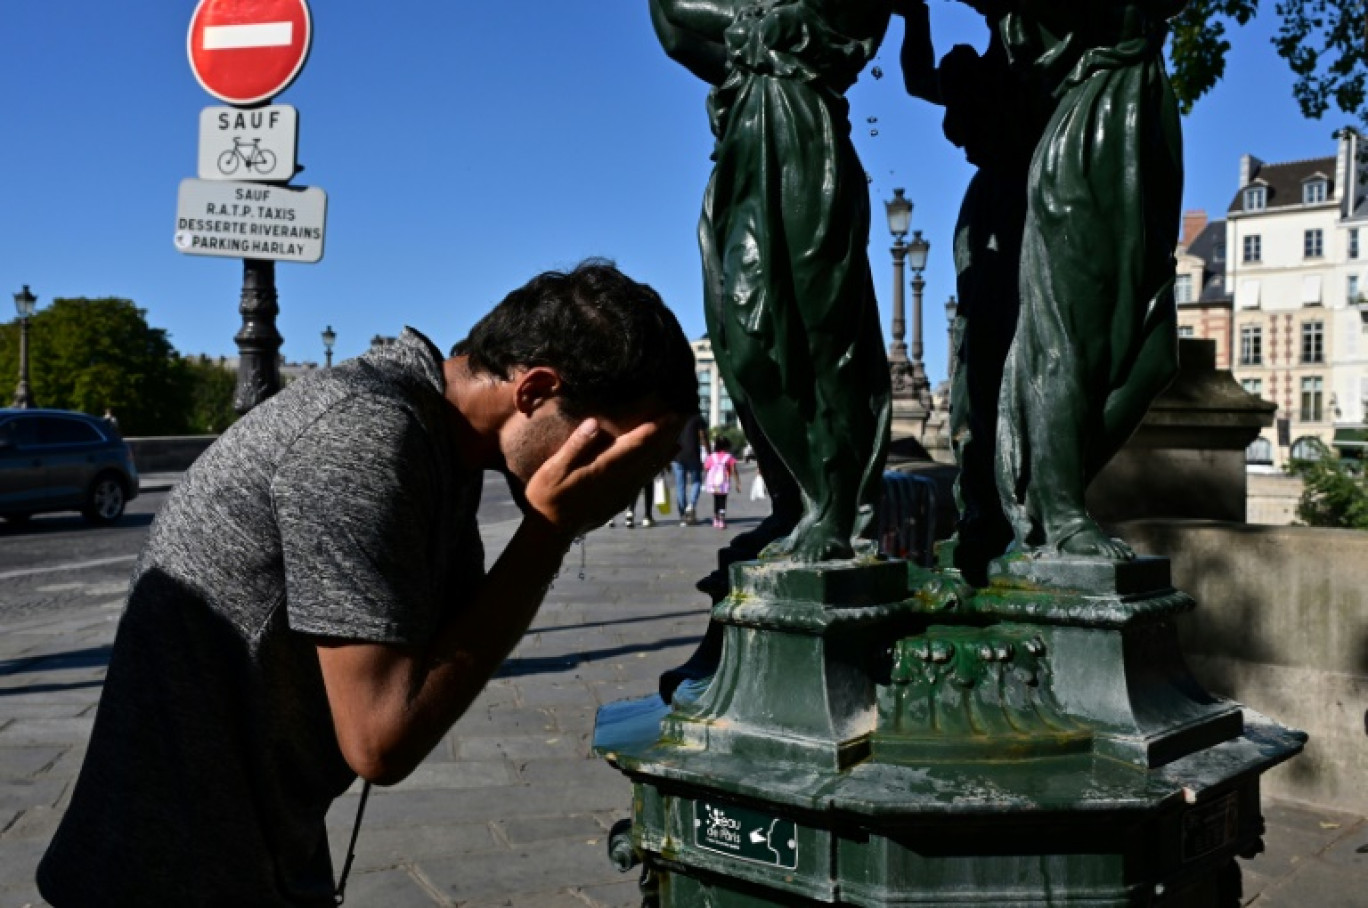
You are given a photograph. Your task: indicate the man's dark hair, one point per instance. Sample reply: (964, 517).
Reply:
(611, 339)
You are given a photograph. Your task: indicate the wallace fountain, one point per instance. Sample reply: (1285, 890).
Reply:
(1016, 726)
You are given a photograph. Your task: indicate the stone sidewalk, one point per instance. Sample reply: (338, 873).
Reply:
(511, 809)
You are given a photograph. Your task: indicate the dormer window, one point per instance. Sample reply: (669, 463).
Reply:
(1255, 198)
(1314, 191)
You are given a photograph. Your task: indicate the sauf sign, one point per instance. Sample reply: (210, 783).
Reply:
(245, 52)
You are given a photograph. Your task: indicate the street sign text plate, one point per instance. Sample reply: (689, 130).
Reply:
(250, 220)
(746, 834)
(256, 144)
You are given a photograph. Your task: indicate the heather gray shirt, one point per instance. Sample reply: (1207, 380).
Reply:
(338, 508)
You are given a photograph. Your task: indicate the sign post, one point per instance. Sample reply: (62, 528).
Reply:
(245, 52)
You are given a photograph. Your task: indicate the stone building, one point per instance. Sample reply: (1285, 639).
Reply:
(713, 399)
(1280, 285)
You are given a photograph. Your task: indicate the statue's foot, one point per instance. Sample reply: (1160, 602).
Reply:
(1082, 536)
(814, 539)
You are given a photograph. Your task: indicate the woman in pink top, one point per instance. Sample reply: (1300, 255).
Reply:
(719, 475)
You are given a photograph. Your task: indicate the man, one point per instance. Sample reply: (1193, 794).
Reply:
(688, 467)
(312, 603)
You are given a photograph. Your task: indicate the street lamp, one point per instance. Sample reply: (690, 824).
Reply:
(329, 338)
(25, 302)
(917, 251)
(899, 210)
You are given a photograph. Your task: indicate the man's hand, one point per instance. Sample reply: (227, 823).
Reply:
(593, 474)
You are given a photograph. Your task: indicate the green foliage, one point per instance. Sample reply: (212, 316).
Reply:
(211, 396)
(734, 435)
(1325, 44)
(1334, 493)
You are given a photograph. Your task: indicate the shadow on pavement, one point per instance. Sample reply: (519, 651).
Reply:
(91, 657)
(36, 526)
(689, 613)
(536, 665)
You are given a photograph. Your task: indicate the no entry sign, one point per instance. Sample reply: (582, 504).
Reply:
(245, 52)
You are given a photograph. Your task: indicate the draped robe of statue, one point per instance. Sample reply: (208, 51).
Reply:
(789, 298)
(1096, 339)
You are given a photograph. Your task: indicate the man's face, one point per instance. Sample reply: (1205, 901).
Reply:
(544, 432)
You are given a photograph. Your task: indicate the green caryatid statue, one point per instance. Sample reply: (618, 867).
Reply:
(1096, 339)
(997, 117)
(789, 298)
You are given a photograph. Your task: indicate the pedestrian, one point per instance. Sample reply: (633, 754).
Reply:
(720, 469)
(688, 468)
(312, 603)
(646, 495)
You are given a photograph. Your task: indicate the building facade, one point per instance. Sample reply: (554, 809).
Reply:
(713, 400)
(1283, 294)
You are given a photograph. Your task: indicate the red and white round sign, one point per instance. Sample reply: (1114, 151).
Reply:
(246, 52)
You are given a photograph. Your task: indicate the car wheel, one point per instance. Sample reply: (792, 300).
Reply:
(105, 501)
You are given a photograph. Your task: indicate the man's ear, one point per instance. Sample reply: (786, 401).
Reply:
(535, 387)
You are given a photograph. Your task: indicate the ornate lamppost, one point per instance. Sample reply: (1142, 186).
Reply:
(899, 209)
(919, 384)
(329, 338)
(25, 302)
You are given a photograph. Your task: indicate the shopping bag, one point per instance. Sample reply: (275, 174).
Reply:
(757, 491)
(662, 494)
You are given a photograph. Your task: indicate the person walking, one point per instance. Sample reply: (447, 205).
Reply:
(720, 470)
(688, 468)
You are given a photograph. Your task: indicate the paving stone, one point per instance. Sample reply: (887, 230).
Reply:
(1345, 850)
(519, 747)
(525, 874)
(25, 762)
(18, 863)
(508, 720)
(1284, 850)
(392, 888)
(21, 706)
(581, 827)
(379, 847)
(1306, 818)
(623, 894)
(1319, 884)
(577, 693)
(36, 822)
(19, 794)
(30, 732)
(465, 774)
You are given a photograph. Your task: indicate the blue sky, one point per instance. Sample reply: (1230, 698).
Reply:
(464, 147)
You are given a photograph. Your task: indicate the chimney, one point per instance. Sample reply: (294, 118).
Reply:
(1194, 222)
(1249, 168)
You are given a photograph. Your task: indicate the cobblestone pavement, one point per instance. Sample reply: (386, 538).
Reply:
(511, 809)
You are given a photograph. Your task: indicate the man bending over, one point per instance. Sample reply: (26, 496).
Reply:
(312, 603)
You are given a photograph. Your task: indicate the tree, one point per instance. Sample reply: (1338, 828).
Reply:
(1334, 492)
(1325, 44)
(211, 396)
(92, 354)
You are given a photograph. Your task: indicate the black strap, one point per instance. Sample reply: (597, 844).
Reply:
(340, 895)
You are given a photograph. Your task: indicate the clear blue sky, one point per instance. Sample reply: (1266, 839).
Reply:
(463, 147)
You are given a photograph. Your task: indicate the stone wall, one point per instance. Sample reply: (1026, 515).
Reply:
(1281, 626)
(168, 453)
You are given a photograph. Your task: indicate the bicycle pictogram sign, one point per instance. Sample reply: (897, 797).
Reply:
(246, 154)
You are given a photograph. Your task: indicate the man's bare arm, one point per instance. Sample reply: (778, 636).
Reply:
(390, 704)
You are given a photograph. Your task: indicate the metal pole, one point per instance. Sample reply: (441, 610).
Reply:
(897, 351)
(258, 341)
(23, 397)
(921, 385)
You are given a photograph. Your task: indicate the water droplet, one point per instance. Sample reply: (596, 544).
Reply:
(871, 119)
(877, 72)
(873, 132)
(869, 179)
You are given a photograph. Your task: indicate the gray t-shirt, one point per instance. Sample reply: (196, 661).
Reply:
(339, 508)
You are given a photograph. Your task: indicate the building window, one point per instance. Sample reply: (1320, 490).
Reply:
(1307, 448)
(1313, 243)
(1311, 389)
(1255, 198)
(1313, 342)
(1182, 288)
(1313, 192)
(1353, 243)
(1251, 345)
(1351, 288)
(1260, 451)
(1218, 251)
(1186, 331)
(1252, 386)
(1253, 248)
